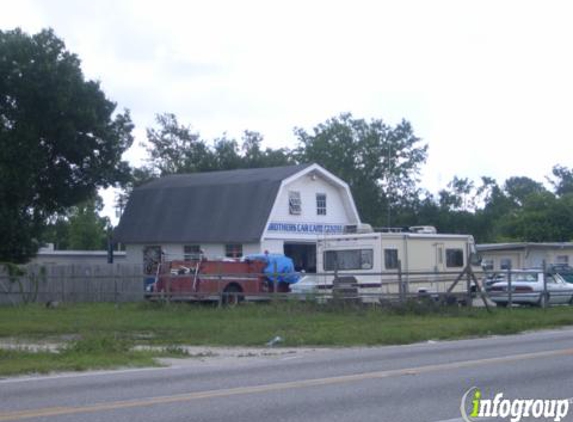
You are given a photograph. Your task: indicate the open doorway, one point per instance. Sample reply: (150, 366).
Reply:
(303, 256)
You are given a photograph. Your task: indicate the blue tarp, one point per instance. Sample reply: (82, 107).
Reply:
(277, 264)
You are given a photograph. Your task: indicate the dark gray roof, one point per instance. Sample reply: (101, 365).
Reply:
(212, 207)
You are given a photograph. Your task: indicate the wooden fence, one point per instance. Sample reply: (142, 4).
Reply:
(73, 283)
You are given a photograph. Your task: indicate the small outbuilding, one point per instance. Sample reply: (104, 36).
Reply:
(50, 257)
(503, 256)
(235, 213)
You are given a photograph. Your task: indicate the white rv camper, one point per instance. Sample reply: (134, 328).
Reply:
(425, 260)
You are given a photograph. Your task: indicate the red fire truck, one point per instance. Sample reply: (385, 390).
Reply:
(231, 281)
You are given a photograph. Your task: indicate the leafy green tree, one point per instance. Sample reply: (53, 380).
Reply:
(175, 148)
(57, 232)
(255, 157)
(519, 188)
(563, 182)
(60, 138)
(80, 228)
(381, 163)
(459, 196)
(88, 231)
(529, 223)
(226, 154)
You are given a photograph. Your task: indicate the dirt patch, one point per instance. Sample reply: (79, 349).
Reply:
(201, 355)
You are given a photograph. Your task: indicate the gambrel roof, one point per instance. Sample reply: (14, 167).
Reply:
(213, 207)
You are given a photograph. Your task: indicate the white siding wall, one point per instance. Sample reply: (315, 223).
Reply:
(339, 211)
(531, 258)
(134, 254)
(273, 245)
(337, 208)
(174, 251)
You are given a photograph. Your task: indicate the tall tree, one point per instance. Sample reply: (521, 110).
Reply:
(175, 148)
(381, 163)
(81, 227)
(563, 180)
(255, 157)
(59, 135)
(519, 188)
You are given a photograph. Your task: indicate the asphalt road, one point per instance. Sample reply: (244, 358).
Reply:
(422, 382)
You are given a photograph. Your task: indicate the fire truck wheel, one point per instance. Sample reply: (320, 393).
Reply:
(232, 295)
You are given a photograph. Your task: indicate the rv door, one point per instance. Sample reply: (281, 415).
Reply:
(439, 250)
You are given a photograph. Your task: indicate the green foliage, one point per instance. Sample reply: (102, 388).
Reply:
(80, 228)
(98, 345)
(59, 135)
(16, 275)
(563, 180)
(381, 163)
(78, 355)
(521, 210)
(105, 330)
(176, 148)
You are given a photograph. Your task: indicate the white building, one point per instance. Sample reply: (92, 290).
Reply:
(503, 256)
(48, 256)
(235, 213)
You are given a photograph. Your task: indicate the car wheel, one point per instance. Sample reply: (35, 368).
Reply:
(543, 300)
(501, 304)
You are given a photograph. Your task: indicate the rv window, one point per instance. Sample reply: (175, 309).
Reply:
(454, 258)
(391, 259)
(351, 259)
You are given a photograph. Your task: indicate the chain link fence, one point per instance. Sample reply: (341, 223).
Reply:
(127, 283)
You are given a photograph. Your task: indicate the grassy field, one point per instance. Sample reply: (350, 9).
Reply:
(103, 335)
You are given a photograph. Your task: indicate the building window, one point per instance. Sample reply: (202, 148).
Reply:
(320, 204)
(294, 202)
(391, 259)
(505, 264)
(454, 258)
(350, 259)
(191, 252)
(151, 259)
(562, 259)
(487, 264)
(234, 250)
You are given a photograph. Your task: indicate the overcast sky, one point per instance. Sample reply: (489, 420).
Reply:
(487, 84)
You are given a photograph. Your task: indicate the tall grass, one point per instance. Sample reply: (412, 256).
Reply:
(299, 324)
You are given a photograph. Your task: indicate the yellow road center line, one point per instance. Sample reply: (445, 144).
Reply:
(57, 411)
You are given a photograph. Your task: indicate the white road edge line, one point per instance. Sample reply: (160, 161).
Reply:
(83, 374)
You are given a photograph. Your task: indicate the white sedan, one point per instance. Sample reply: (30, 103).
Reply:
(527, 288)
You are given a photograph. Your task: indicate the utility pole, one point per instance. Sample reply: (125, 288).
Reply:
(388, 189)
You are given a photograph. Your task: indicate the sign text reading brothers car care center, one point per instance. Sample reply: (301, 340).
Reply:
(306, 228)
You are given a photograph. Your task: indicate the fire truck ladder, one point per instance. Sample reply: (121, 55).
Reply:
(196, 273)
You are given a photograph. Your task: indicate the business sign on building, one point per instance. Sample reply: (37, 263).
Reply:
(305, 228)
